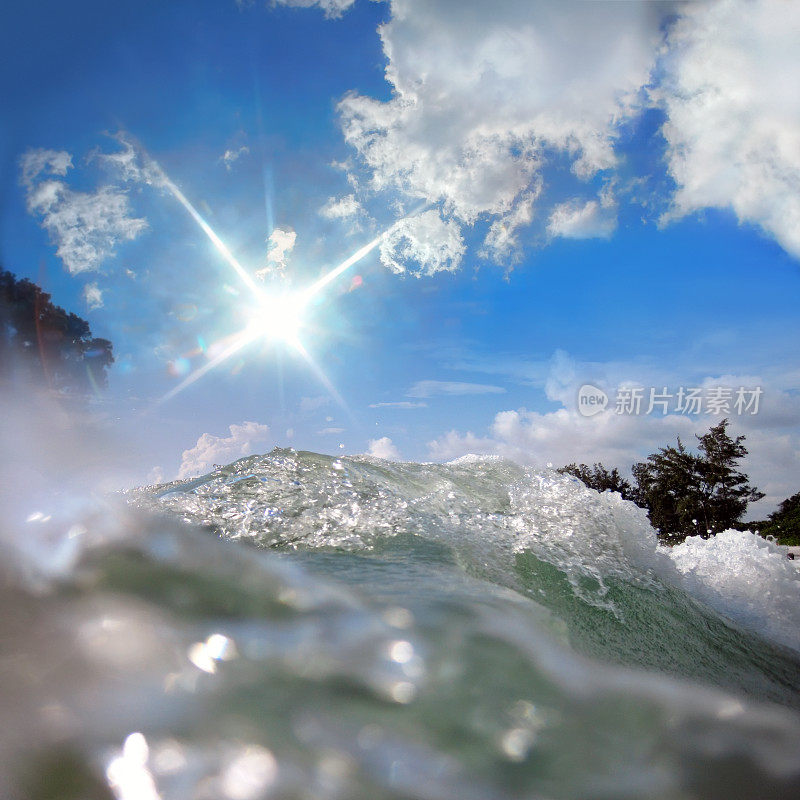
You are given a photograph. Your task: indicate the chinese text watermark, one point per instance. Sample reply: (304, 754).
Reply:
(639, 400)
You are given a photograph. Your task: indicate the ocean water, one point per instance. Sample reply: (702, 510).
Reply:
(296, 625)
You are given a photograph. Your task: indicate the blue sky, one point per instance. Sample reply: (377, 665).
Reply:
(566, 193)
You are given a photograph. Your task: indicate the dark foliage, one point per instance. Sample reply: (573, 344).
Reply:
(43, 343)
(691, 494)
(599, 478)
(783, 524)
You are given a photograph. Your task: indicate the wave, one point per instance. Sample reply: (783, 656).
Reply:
(299, 625)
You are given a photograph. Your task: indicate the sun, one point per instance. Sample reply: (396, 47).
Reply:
(277, 317)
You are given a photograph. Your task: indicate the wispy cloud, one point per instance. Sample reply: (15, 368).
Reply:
(345, 207)
(231, 156)
(398, 404)
(331, 8)
(433, 388)
(85, 227)
(311, 404)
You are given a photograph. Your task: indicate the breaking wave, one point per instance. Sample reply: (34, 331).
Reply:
(296, 625)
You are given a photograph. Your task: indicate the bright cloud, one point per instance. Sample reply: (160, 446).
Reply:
(575, 220)
(383, 448)
(423, 244)
(93, 295)
(341, 208)
(432, 388)
(482, 92)
(733, 127)
(485, 94)
(563, 436)
(85, 227)
(244, 439)
(279, 247)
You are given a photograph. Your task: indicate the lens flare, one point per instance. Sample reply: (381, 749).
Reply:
(277, 317)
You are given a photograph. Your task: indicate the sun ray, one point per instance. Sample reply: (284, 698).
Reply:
(320, 284)
(208, 230)
(320, 375)
(240, 340)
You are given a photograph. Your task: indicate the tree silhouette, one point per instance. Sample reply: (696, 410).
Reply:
(599, 478)
(43, 343)
(690, 494)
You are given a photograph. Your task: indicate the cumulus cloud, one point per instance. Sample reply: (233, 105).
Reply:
(733, 113)
(563, 436)
(383, 448)
(432, 388)
(93, 295)
(331, 8)
(85, 227)
(280, 244)
(484, 95)
(423, 244)
(481, 94)
(211, 449)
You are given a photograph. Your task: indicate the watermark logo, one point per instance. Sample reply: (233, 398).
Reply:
(693, 400)
(591, 400)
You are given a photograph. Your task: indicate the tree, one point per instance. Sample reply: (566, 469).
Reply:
(40, 341)
(783, 524)
(695, 494)
(599, 478)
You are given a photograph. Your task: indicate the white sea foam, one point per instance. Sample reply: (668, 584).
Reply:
(746, 578)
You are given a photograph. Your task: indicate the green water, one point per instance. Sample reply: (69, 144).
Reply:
(351, 629)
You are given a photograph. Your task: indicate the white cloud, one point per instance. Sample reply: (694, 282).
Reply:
(481, 91)
(93, 295)
(230, 156)
(85, 227)
(131, 163)
(330, 431)
(383, 448)
(424, 244)
(156, 475)
(733, 127)
(211, 449)
(280, 244)
(398, 404)
(501, 243)
(331, 8)
(341, 208)
(576, 220)
(563, 436)
(52, 162)
(432, 388)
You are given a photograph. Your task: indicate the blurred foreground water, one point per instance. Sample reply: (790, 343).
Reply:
(300, 626)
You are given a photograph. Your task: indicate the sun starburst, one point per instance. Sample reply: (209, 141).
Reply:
(275, 316)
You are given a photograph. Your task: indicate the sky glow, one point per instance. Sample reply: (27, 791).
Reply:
(400, 224)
